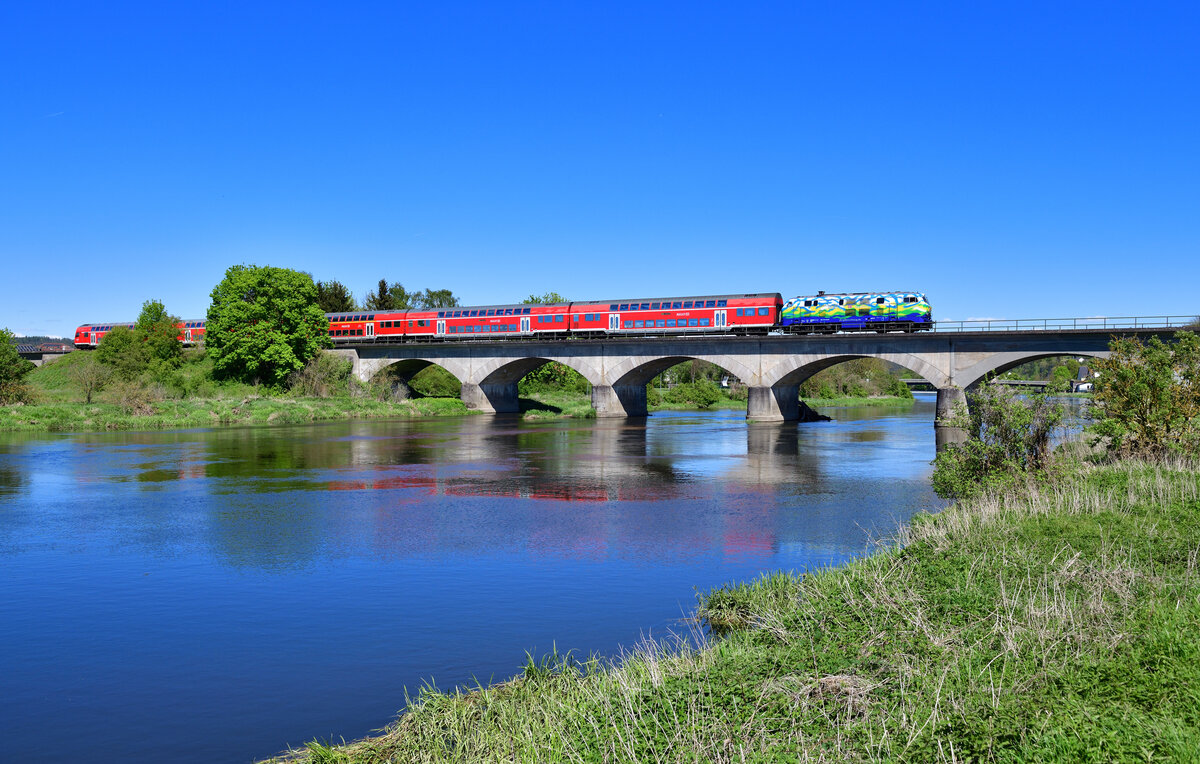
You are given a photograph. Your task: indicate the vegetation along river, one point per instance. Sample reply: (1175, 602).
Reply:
(218, 595)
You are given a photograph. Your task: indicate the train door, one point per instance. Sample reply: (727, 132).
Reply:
(370, 329)
(614, 322)
(441, 328)
(187, 335)
(719, 319)
(525, 324)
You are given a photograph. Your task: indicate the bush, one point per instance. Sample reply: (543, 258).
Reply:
(702, 394)
(1148, 396)
(324, 376)
(121, 350)
(13, 369)
(1008, 438)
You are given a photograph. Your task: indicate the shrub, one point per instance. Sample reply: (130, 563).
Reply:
(13, 369)
(1008, 438)
(323, 376)
(1148, 396)
(702, 394)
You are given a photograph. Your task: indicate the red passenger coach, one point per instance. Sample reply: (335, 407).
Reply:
(499, 321)
(89, 335)
(741, 313)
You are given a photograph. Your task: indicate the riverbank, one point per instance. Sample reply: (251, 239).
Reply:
(188, 413)
(1058, 623)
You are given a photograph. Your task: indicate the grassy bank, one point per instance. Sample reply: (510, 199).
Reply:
(178, 414)
(887, 401)
(1058, 623)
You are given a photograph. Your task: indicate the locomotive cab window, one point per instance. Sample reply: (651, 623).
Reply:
(879, 301)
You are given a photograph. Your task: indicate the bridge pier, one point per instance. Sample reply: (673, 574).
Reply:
(773, 404)
(949, 400)
(619, 400)
(491, 398)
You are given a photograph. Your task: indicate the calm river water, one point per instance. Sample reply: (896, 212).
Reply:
(216, 595)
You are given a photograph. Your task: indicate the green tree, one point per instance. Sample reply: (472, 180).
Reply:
(380, 299)
(549, 298)
(121, 350)
(1148, 395)
(263, 324)
(158, 330)
(402, 299)
(435, 298)
(13, 369)
(90, 375)
(1060, 379)
(1008, 437)
(334, 297)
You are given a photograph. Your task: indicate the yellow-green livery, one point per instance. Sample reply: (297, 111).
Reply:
(862, 311)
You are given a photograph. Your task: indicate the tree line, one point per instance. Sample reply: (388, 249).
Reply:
(335, 297)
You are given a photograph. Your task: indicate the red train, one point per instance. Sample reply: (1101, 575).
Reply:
(708, 314)
(89, 335)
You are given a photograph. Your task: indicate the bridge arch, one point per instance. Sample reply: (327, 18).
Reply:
(493, 383)
(998, 363)
(790, 371)
(626, 395)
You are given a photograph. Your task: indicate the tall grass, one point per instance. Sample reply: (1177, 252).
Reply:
(1056, 623)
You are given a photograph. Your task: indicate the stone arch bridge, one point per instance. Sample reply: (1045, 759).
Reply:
(772, 367)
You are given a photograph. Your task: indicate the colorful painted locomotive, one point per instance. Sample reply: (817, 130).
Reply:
(858, 311)
(757, 313)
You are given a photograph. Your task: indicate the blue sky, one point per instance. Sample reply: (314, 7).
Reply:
(1009, 159)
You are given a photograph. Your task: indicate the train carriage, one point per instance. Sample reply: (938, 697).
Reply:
(502, 321)
(744, 313)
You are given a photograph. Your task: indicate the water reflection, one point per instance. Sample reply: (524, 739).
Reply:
(334, 565)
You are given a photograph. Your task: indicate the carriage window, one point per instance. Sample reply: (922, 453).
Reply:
(639, 324)
(739, 312)
(671, 324)
(654, 306)
(722, 303)
(704, 322)
(687, 303)
(645, 306)
(558, 318)
(764, 311)
(693, 322)
(613, 307)
(879, 301)
(628, 324)
(677, 305)
(710, 304)
(660, 324)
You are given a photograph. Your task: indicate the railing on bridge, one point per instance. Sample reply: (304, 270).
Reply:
(1062, 324)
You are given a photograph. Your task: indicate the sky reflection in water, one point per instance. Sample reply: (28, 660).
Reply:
(220, 594)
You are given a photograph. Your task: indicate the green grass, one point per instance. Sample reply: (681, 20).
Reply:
(1060, 623)
(878, 400)
(557, 405)
(179, 414)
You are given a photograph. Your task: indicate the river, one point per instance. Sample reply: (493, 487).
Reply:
(216, 595)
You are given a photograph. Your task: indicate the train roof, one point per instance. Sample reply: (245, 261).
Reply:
(673, 298)
(859, 294)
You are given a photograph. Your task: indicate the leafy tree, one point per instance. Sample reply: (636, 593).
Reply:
(13, 369)
(264, 323)
(380, 299)
(158, 330)
(1008, 436)
(90, 375)
(435, 298)
(1060, 379)
(123, 351)
(334, 297)
(1148, 396)
(549, 298)
(402, 299)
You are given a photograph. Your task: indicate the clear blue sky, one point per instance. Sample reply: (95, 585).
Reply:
(1009, 159)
